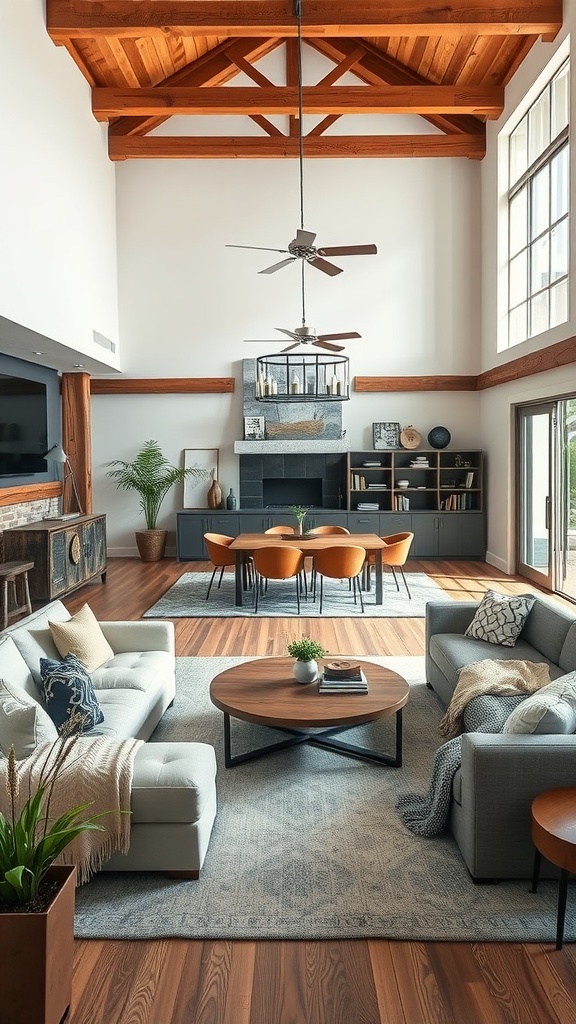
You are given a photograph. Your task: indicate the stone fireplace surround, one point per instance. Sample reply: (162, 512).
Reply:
(329, 468)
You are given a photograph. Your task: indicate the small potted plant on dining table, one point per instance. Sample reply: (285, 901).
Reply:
(300, 514)
(305, 651)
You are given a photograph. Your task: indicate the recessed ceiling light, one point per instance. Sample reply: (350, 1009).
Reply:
(38, 353)
(78, 366)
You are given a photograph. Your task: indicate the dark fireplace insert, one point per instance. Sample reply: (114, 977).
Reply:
(286, 491)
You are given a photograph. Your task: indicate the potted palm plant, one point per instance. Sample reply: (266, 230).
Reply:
(37, 897)
(151, 476)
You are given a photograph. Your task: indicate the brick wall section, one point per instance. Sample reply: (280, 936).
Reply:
(25, 512)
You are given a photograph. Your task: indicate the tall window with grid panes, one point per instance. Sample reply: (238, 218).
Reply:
(538, 211)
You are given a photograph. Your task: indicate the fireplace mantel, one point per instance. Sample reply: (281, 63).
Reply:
(290, 447)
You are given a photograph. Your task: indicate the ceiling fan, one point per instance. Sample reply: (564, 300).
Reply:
(302, 246)
(305, 335)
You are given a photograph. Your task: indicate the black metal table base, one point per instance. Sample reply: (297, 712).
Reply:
(316, 739)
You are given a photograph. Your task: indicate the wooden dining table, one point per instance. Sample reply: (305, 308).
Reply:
(245, 543)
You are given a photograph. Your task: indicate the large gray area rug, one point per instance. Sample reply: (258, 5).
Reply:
(187, 599)
(307, 845)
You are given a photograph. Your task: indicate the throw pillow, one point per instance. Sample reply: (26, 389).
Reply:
(552, 709)
(499, 619)
(68, 689)
(82, 636)
(23, 722)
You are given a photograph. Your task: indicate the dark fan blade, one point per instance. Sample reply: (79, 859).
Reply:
(261, 248)
(304, 238)
(338, 337)
(327, 268)
(290, 347)
(326, 344)
(278, 266)
(291, 334)
(348, 250)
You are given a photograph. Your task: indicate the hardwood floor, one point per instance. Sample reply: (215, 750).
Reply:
(348, 982)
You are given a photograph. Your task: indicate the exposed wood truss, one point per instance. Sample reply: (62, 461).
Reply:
(149, 60)
(76, 18)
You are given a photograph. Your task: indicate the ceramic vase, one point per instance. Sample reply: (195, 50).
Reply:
(298, 530)
(305, 671)
(214, 496)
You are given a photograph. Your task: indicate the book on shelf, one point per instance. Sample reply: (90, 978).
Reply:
(469, 480)
(368, 506)
(401, 503)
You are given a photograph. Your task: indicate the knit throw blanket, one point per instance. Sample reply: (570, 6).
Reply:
(484, 697)
(98, 771)
(489, 676)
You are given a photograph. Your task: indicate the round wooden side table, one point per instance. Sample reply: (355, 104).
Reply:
(554, 837)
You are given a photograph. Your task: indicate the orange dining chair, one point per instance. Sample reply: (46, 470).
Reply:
(277, 562)
(217, 545)
(395, 554)
(340, 563)
(280, 529)
(324, 531)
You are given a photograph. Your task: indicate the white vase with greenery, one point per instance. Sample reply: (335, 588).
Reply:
(305, 651)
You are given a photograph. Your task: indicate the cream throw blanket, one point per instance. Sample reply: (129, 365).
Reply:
(490, 676)
(98, 771)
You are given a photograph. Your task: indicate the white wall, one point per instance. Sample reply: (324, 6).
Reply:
(187, 302)
(498, 404)
(58, 274)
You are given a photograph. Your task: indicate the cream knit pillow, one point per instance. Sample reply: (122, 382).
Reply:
(81, 636)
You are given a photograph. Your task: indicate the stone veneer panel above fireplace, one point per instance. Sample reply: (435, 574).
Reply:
(330, 468)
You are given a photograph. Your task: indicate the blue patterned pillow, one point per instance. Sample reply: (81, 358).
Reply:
(67, 689)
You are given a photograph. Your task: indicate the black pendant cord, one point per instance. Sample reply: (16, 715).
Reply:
(298, 12)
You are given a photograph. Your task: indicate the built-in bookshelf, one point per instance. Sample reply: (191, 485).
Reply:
(415, 481)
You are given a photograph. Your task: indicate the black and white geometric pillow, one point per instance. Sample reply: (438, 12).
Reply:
(499, 619)
(68, 690)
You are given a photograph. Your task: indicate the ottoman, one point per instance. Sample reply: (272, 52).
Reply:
(173, 809)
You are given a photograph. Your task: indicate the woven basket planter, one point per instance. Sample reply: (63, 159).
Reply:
(151, 544)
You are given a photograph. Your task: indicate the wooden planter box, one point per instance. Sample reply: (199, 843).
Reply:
(36, 953)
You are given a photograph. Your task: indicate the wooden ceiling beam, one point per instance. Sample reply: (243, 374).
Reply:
(324, 147)
(377, 68)
(68, 19)
(214, 68)
(267, 99)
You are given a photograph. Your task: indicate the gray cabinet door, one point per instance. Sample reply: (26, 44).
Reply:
(392, 522)
(472, 535)
(425, 543)
(363, 522)
(448, 535)
(190, 530)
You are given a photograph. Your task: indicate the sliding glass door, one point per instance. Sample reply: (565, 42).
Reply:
(536, 505)
(547, 495)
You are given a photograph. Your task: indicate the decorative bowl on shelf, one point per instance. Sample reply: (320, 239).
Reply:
(403, 483)
(439, 437)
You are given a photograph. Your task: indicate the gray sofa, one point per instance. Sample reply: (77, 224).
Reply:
(173, 796)
(500, 774)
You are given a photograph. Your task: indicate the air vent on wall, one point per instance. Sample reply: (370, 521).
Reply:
(104, 342)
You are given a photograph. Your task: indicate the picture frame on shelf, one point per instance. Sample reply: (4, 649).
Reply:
(253, 428)
(196, 488)
(386, 435)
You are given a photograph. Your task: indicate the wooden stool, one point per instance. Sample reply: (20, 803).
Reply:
(14, 580)
(554, 836)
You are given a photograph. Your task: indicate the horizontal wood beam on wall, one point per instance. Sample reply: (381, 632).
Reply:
(163, 386)
(561, 354)
(441, 383)
(30, 492)
(77, 19)
(318, 99)
(178, 147)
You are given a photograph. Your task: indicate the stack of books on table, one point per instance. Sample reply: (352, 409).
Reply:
(343, 677)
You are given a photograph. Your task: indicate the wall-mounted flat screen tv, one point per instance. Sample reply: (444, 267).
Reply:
(23, 426)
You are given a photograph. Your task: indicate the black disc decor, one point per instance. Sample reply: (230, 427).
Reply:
(439, 437)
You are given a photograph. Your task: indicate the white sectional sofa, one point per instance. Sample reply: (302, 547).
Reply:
(173, 789)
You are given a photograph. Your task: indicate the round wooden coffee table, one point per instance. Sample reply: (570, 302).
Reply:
(554, 837)
(265, 692)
